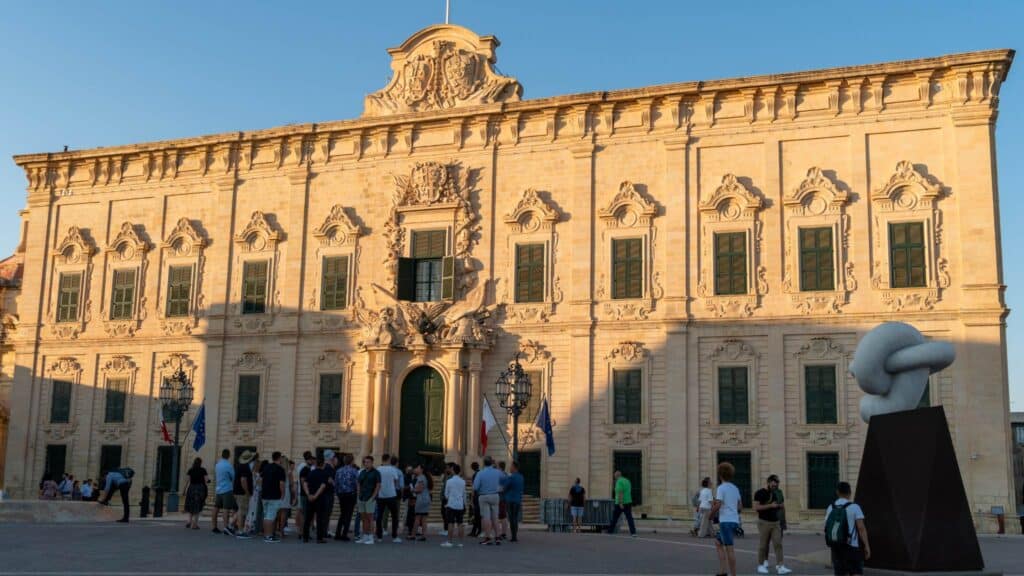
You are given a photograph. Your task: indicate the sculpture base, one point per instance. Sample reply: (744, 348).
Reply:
(917, 515)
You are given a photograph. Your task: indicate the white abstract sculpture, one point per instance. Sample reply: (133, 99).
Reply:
(892, 364)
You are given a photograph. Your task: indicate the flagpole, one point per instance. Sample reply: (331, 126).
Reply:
(447, 8)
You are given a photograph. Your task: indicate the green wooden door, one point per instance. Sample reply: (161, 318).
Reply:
(743, 478)
(421, 430)
(529, 467)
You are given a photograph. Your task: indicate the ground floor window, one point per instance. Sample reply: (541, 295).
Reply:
(744, 477)
(822, 477)
(529, 467)
(164, 467)
(631, 464)
(56, 457)
(110, 458)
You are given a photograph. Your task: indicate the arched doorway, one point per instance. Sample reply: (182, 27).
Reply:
(421, 424)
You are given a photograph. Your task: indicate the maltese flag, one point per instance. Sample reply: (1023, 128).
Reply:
(163, 425)
(486, 423)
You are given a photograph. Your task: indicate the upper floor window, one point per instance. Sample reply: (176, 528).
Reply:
(627, 268)
(529, 272)
(179, 290)
(122, 294)
(816, 259)
(330, 398)
(730, 263)
(334, 284)
(69, 291)
(248, 398)
(60, 404)
(117, 394)
(254, 287)
(429, 275)
(732, 395)
(906, 255)
(820, 394)
(628, 396)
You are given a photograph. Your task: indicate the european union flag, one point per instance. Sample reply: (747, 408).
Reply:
(544, 423)
(199, 427)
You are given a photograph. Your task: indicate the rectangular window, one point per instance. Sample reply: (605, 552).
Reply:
(164, 466)
(732, 395)
(334, 288)
(628, 396)
(631, 464)
(117, 393)
(60, 404)
(529, 414)
(110, 458)
(731, 263)
(816, 259)
(248, 398)
(254, 287)
(428, 252)
(744, 476)
(529, 467)
(179, 291)
(330, 398)
(820, 394)
(70, 287)
(906, 255)
(56, 458)
(822, 477)
(122, 295)
(627, 268)
(529, 272)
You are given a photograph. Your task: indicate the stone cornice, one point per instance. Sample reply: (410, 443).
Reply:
(971, 79)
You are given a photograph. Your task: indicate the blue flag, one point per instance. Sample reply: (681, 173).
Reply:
(544, 423)
(199, 427)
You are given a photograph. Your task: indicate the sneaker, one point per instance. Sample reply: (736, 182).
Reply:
(229, 531)
(443, 532)
(780, 569)
(243, 536)
(368, 541)
(396, 540)
(216, 531)
(487, 542)
(271, 540)
(632, 535)
(459, 544)
(762, 569)
(447, 545)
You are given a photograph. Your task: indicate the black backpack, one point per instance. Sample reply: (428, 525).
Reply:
(837, 530)
(128, 473)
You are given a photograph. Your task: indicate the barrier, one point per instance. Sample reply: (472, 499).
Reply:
(555, 513)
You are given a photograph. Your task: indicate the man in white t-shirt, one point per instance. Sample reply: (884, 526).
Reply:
(727, 504)
(387, 498)
(849, 559)
(455, 493)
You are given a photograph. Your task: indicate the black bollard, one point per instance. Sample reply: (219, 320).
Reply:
(144, 504)
(158, 503)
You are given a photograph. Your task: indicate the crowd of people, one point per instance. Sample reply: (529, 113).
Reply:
(67, 489)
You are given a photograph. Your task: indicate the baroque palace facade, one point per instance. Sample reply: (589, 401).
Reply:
(684, 270)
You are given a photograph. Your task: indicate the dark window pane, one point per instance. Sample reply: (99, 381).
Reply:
(330, 398)
(179, 291)
(56, 459)
(334, 287)
(627, 268)
(822, 477)
(248, 398)
(117, 394)
(906, 255)
(110, 458)
(428, 250)
(732, 395)
(60, 404)
(628, 396)
(529, 273)
(820, 394)
(529, 414)
(68, 296)
(631, 464)
(122, 294)
(743, 478)
(254, 287)
(731, 263)
(816, 269)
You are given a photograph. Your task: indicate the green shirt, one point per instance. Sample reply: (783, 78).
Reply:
(623, 491)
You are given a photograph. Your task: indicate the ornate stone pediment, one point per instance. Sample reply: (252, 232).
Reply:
(532, 213)
(439, 68)
(817, 194)
(428, 183)
(629, 207)
(74, 247)
(258, 235)
(337, 229)
(906, 188)
(127, 245)
(184, 240)
(732, 200)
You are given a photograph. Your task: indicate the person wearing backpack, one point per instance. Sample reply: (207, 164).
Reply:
(846, 535)
(121, 480)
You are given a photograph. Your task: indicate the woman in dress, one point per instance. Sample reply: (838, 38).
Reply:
(253, 520)
(422, 490)
(195, 494)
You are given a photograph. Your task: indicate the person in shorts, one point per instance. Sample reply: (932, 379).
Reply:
(577, 500)
(273, 478)
(368, 484)
(455, 495)
(242, 490)
(224, 474)
(727, 504)
(486, 485)
(848, 560)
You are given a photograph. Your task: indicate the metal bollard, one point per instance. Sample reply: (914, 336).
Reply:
(158, 503)
(144, 504)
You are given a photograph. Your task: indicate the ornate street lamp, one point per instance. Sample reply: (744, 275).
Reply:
(514, 389)
(176, 397)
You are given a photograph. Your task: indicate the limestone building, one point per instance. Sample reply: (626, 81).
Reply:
(685, 270)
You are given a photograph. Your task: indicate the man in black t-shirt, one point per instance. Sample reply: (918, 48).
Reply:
(243, 491)
(317, 488)
(273, 491)
(768, 502)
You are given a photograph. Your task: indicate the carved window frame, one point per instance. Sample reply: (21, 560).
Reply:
(734, 352)
(72, 256)
(823, 351)
(249, 364)
(182, 247)
(909, 195)
(117, 366)
(629, 215)
(332, 362)
(337, 236)
(627, 355)
(66, 368)
(732, 207)
(533, 220)
(258, 241)
(818, 203)
(127, 251)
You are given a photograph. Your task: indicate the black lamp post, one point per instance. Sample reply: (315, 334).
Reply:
(514, 389)
(176, 397)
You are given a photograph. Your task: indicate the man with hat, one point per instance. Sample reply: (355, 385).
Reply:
(243, 492)
(768, 502)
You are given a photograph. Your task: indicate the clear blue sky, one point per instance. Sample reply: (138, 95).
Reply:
(91, 74)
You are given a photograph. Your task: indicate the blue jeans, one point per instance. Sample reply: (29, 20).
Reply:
(626, 509)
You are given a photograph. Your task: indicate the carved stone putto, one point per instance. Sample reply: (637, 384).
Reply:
(439, 68)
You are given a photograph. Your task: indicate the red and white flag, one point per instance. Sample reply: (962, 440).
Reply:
(163, 424)
(486, 423)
